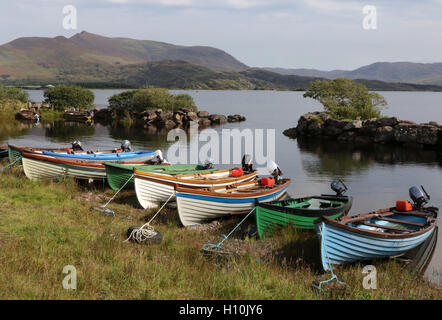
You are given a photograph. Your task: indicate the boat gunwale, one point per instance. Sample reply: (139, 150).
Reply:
(211, 193)
(85, 163)
(342, 223)
(150, 176)
(305, 212)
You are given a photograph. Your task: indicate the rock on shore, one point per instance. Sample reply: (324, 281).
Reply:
(168, 118)
(376, 130)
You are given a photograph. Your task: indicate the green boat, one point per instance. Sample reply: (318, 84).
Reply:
(300, 213)
(3, 152)
(118, 174)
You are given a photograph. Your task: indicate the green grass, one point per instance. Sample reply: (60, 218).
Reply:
(47, 225)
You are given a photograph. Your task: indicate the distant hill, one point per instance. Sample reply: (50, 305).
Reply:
(410, 72)
(95, 61)
(57, 58)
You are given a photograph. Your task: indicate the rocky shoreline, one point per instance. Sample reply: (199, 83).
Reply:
(166, 118)
(389, 130)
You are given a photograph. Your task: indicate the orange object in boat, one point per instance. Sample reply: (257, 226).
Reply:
(403, 205)
(266, 181)
(237, 172)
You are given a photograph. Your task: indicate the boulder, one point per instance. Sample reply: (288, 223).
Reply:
(191, 116)
(334, 123)
(204, 122)
(331, 131)
(406, 133)
(384, 134)
(362, 139)
(391, 122)
(428, 135)
(314, 128)
(291, 133)
(218, 119)
(353, 125)
(203, 114)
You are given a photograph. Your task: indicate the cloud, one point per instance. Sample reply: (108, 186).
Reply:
(235, 4)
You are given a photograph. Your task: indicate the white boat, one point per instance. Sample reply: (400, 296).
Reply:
(154, 188)
(196, 206)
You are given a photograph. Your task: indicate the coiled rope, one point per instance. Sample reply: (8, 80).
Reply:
(105, 211)
(11, 164)
(146, 231)
(219, 247)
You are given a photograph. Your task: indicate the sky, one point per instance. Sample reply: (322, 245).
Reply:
(319, 34)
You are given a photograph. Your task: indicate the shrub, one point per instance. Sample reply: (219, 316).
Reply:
(13, 94)
(150, 98)
(63, 97)
(345, 99)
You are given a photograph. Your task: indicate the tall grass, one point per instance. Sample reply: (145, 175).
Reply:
(47, 225)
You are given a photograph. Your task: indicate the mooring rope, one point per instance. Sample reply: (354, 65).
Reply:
(11, 164)
(333, 275)
(146, 231)
(220, 245)
(108, 211)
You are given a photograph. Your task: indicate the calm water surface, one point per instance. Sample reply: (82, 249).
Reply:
(376, 176)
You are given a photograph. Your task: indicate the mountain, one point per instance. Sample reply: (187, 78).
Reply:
(410, 72)
(56, 58)
(95, 61)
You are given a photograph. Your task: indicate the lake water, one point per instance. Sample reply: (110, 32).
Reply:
(376, 176)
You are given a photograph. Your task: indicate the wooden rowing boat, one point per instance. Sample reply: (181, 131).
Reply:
(43, 167)
(383, 233)
(299, 213)
(153, 188)
(15, 152)
(196, 206)
(118, 174)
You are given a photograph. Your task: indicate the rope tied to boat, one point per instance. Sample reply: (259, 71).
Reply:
(219, 247)
(333, 275)
(146, 233)
(11, 164)
(108, 212)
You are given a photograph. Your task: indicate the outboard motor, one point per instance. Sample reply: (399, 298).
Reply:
(274, 170)
(247, 163)
(208, 164)
(419, 197)
(339, 187)
(159, 159)
(126, 146)
(76, 146)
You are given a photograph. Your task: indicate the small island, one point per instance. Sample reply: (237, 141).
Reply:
(352, 115)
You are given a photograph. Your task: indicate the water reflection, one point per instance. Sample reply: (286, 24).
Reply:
(60, 131)
(344, 159)
(13, 128)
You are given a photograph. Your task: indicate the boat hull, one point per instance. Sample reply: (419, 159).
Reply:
(273, 216)
(197, 208)
(152, 189)
(340, 246)
(41, 168)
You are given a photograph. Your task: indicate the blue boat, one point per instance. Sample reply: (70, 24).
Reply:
(383, 233)
(139, 156)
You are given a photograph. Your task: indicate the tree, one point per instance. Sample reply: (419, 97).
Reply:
(13, 94)
(63, 97)
(345, 99)
(150, 98)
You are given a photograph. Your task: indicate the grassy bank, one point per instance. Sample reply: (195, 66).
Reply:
(47, 225)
